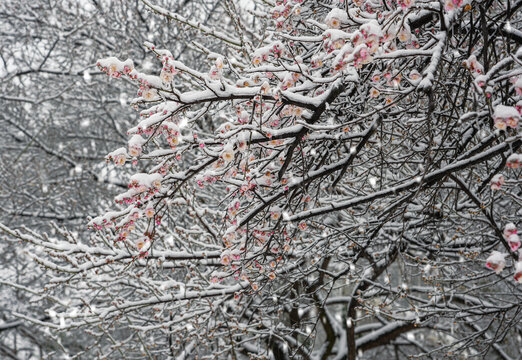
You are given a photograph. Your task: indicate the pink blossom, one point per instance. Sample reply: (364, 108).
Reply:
(514, 242)
(120, 159)
(225, 259)
(513, 161)
(496, 261)
(149, 212)
(509, 230)
(374, 93)
(518, 272)
(497, 181)
(500, 123)
(406, 4)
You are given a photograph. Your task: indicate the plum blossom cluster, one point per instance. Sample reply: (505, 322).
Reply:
(272, 51)
(497, 260)
(115, 68)
(142, 188)
(283, 10)
(300, 163)
(169, 69)
(514, 161)
(118, 156)
(506, 117)
(266, 110)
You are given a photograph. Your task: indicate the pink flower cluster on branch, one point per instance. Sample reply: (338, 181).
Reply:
(338, 163)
